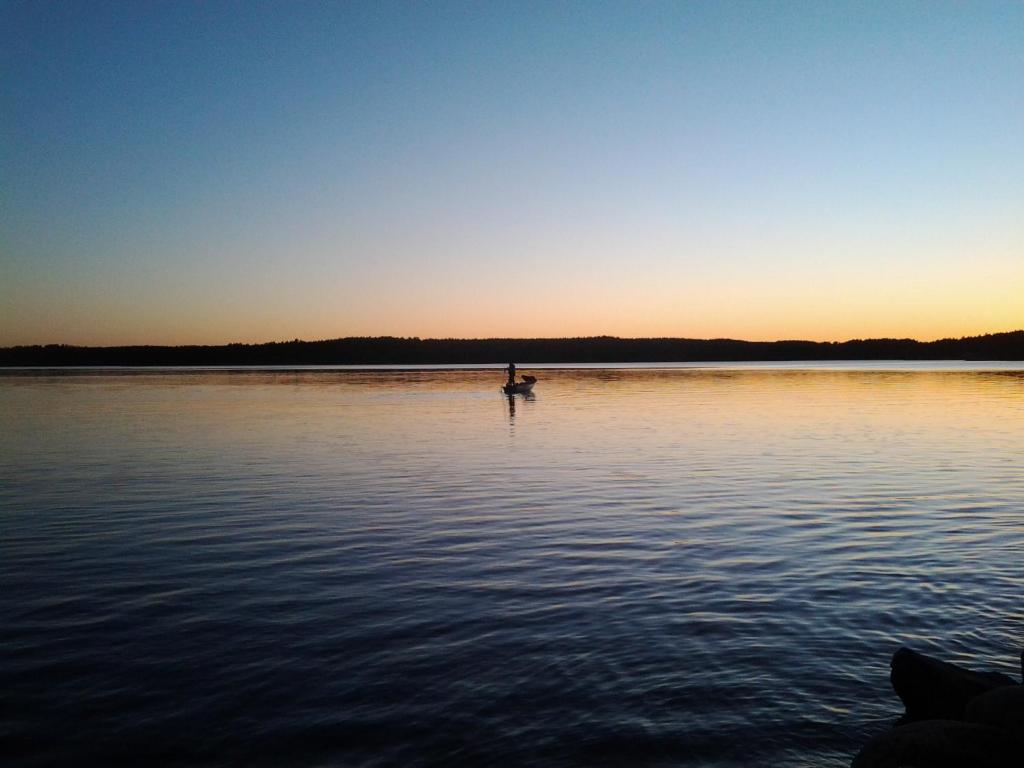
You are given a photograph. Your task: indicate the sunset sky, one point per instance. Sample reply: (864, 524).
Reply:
(176, 172)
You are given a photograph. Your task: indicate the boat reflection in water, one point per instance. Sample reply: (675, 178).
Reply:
(527, 395)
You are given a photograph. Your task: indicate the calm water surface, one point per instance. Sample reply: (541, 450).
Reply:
(691, 567)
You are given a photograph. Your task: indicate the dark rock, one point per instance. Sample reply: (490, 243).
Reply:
(937, 690)
(940, 744)
(1001, 708)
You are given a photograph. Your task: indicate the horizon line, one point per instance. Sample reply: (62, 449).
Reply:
(512, 338)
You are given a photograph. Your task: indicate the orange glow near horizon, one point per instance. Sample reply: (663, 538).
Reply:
(981, 297)
(647, 296)
(738, 288)
(774, 327)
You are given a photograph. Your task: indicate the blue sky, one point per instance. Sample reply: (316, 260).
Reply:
(211, 172)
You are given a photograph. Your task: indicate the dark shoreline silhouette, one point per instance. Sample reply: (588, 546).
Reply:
(384, 350)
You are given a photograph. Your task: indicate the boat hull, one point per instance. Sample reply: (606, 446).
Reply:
(519, 388)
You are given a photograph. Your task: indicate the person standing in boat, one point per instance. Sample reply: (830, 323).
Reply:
(511, 374)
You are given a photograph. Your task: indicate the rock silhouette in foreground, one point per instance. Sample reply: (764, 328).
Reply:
(1000, 708)
(937, 690)
(941, 744)
(955, 718)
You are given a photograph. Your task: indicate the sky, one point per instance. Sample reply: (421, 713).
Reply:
(177, 173)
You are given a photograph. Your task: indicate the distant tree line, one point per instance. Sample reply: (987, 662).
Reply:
(383, 350)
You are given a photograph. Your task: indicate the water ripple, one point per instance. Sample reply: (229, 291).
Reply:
(680, 567)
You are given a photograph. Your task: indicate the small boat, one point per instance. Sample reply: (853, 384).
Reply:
(520, 387)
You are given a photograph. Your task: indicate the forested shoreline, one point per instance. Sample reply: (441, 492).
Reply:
(385, 350)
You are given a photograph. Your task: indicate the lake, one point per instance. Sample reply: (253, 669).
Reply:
(675, 566)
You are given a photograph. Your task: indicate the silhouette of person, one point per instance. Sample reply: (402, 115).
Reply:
(511, 374)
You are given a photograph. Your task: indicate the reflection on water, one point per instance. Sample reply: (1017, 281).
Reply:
(526, 396)
(685, 567)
